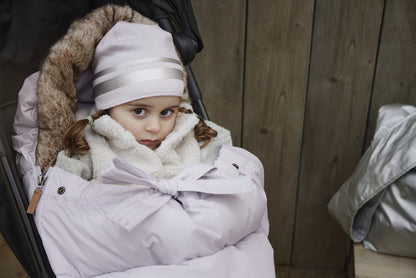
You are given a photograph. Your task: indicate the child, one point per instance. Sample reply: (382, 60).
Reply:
(141, 115)
(195, 206)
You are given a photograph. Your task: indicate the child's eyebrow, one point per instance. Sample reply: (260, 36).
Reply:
(147, 106)
(138, 104)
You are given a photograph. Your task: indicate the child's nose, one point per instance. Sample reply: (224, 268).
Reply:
(153, 125)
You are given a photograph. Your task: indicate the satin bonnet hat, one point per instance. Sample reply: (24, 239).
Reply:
(135, 61)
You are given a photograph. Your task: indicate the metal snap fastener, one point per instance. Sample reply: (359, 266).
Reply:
(61, 190)
(236, 166)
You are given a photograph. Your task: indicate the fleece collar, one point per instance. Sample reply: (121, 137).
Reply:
(108, 140)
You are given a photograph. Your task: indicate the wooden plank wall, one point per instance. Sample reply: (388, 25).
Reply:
(344, 48)
(314, 75)
(299, 83)
(276, 81)
(395, 78)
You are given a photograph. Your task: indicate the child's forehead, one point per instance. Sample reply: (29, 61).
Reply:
(156, 101)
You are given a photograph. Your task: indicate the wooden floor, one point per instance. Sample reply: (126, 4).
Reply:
(370, 264)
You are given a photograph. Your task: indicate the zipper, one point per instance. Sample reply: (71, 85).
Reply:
(36, 194)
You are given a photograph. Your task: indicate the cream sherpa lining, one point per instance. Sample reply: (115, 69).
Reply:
(108, 140)
(67, 59)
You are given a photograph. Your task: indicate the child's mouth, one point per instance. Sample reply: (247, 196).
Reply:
(150, 143)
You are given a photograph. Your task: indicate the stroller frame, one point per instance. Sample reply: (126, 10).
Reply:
(28, 249)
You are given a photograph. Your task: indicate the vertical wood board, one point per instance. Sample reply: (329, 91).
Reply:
(395, 80)
(343, 58)
(219, 67)
(277, 57)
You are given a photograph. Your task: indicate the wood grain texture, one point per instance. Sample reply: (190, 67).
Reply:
(277, 58)
(343, 58)
(369, 264)
(395, 79)
(219, 67)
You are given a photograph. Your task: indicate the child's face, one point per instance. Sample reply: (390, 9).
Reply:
(150, 120)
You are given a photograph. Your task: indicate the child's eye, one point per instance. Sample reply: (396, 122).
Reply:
(139, 111)
(167, 112)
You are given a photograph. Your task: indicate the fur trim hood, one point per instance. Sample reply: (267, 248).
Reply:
(66, 61)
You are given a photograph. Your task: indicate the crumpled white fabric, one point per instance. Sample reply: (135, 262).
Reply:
(190, 180)
(246, 259)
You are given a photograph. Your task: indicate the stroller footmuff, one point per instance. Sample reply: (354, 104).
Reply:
(209, 219)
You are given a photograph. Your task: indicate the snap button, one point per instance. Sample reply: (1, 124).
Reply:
(236, 166)
(61, 190)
